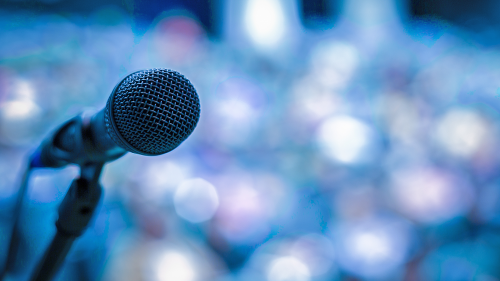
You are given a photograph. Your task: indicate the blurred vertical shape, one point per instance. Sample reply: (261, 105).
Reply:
(265, 22)
(423, 7)
(268, 28)
(319, 14)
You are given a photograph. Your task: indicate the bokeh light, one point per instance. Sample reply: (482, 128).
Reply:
(373, 248)
(288, 269)
(462, 132)
(265, 22)
(430, 195)
(310, 256)
(19, 114)
(173, 266)
(345, 139)
(196, 200)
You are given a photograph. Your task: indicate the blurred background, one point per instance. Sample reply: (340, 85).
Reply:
(339, 139)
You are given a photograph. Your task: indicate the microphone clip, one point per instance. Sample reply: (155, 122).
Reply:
(72, 143)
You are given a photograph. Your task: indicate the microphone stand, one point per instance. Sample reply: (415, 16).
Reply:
(75, 213)
(15, 236)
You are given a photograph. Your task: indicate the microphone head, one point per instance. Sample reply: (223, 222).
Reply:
(151, 112)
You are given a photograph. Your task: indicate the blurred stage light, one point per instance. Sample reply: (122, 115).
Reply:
(24, 90)
(288, 269)
(370, 245)
(372, 248)
(20, 115)
(196, 200)
(20, 110)
(319, 14)
(462, 132)
(265, 22)
(430, 195)
(345, 139)
(174, 266)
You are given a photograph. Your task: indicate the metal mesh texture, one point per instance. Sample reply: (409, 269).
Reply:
(152, 111)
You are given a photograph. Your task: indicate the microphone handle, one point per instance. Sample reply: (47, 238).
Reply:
(81, 140)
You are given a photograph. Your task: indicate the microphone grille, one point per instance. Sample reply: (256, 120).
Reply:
(151, 112)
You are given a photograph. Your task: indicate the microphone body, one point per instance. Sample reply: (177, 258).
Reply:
(149, 112)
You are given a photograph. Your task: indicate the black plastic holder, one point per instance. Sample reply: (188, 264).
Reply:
(75, 213)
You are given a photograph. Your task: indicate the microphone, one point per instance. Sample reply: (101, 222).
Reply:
(150, 112)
